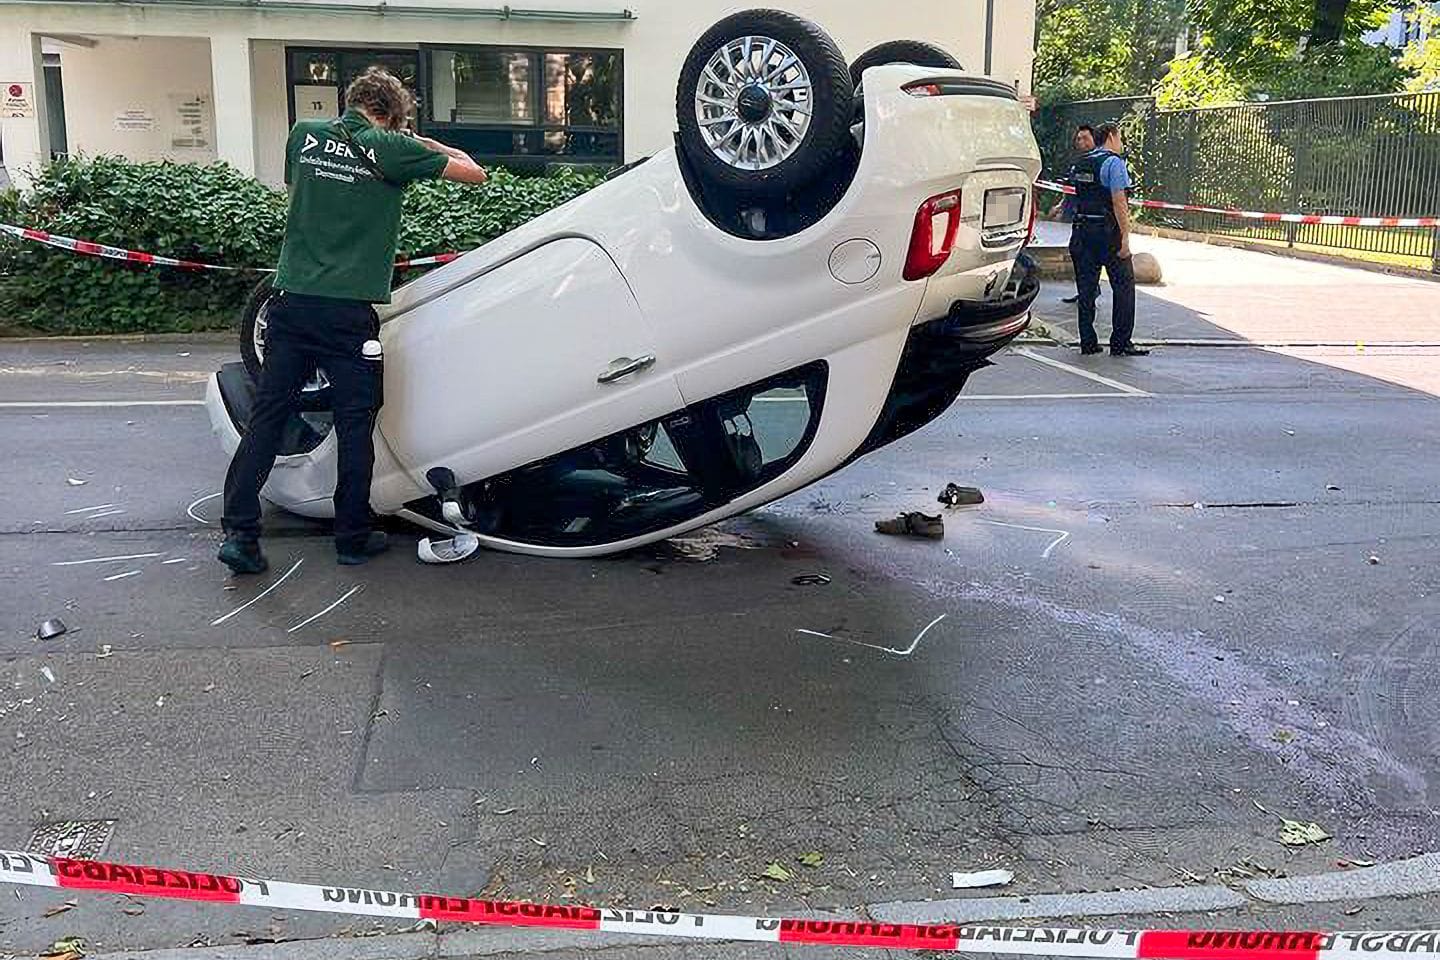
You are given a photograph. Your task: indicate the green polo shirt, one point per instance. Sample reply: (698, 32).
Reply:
(344, 220)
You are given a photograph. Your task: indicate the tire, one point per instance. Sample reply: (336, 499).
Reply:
(918, 52)
(766, 149)
(316, 393)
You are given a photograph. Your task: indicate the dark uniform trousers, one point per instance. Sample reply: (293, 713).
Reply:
(1095, 245)
(306, 332)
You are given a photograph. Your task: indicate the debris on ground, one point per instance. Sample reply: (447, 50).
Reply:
(51, 629)
(812, 859)
(76, 483)
(777, 871)
(914, 524)
(337, 644)
(1219, 598)
(1372, 560)
(1293, 833)
(48, 674)
(1353, 864)
(705, 544)
(1283, 736)
(980, 878)
(105, 651)
(955, 495)
(460, 547)
(1332, 488)
(57, 910)
(810, 580)
(66, 948)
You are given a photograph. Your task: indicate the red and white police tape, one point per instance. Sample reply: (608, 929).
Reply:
(93, 249)
(1329, 219)
(154, 259)
(32, 870)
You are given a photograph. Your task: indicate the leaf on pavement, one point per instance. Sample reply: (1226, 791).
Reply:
(811, 859)
(66, 948)
(1293, 833)
(778, 872)
(56, 911)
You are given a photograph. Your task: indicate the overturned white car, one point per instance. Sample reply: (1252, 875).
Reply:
(812, 272)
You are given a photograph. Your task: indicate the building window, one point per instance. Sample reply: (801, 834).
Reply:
(318, 77)
(524, 107)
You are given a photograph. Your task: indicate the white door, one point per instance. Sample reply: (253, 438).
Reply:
(537, 356)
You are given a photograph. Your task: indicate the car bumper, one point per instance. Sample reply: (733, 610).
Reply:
(941, 354)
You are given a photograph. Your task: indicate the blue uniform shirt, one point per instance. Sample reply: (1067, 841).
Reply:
(1114, 174)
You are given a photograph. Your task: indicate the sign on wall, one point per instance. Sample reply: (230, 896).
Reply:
(19, 100)
(135, 120)
(190, 116)
(315, 102)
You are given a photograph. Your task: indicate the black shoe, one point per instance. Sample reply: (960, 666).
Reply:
(1074, 299)
(243, 556)
(375, 544)
(1086, 349)
(1130, 351)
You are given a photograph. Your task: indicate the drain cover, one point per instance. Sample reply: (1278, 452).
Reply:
(76, 839)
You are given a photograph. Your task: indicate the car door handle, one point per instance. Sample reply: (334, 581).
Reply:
(624, 366)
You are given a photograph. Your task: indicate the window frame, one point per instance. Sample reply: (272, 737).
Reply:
(537, 94)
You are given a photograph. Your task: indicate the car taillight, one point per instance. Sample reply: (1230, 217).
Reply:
(933, 236)
(923, 89)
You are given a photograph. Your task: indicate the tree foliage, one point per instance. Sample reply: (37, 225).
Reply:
(1241, 50)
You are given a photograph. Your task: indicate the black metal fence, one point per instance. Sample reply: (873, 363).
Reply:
(1352, 156)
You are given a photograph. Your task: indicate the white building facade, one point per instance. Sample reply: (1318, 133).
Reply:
(564, 81)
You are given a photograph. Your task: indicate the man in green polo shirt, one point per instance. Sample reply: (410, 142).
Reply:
(346, 178)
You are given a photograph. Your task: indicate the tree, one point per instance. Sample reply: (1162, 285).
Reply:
(1421, 59)
(1090, 49)
(1287, 49)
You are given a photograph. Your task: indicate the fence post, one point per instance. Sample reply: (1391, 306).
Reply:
(1435, 251)
(1299, 141)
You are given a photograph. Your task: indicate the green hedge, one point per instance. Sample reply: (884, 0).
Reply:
(211, 214)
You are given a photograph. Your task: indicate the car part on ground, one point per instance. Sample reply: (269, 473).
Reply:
(764, 103)
(913, 524)
(457, 548)
(918, 52)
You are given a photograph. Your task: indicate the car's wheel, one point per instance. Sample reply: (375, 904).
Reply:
(764, 102)
(918, 52)
(254, 325)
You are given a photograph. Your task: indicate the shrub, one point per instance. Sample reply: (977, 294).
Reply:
(210, 214)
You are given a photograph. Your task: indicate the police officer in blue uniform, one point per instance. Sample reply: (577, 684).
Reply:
(1101, 240)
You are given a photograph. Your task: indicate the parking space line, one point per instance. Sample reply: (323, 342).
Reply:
(1081, 372)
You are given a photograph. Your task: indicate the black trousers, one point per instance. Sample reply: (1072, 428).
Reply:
(1095, 245)
(305, 333)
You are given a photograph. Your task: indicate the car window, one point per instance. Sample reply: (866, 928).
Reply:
(658, 474)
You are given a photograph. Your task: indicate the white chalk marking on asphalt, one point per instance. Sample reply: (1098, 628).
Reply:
(190, 510)
(260, 595)
(350, 593)
(166, 563)
(107, 513)
(1052, 396)
(95, 404)
(875, 646)
(1063, 534)
(122, 576)
(128, 556)
(103, 506)
(1081, 372)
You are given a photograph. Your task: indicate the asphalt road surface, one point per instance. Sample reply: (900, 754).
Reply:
(1200, 598)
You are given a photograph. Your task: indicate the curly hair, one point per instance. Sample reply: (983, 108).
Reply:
(381, 94)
